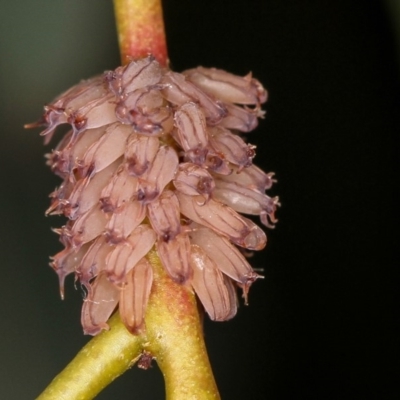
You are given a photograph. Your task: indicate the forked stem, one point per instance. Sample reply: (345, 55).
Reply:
(173, 336)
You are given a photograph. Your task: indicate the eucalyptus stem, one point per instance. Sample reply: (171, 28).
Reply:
(173, 336)
(140, 27)
(99, 362)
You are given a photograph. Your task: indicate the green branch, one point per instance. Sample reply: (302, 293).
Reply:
(103, 359)
(173, 336)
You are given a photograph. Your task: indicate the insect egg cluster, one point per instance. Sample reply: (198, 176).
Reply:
(154, 159)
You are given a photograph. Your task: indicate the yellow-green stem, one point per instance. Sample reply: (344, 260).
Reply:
(173, 336)
(103, 359)
(140, 27)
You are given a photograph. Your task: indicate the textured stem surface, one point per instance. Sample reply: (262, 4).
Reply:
(103, 359)
(140, 29)
(173, 336)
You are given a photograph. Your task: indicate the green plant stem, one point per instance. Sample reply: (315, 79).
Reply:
(103, 359)
(173, 336)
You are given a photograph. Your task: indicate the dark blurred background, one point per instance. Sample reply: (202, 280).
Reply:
(321, 325)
